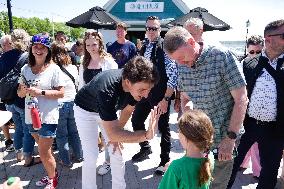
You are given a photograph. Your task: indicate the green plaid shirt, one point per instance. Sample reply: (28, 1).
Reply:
(215, 73)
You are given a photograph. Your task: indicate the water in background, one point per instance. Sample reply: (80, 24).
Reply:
(237, 47)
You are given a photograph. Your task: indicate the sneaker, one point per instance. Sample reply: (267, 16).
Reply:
(44, 181)
(161, 169)
(142, 154)
(9, 146)
(52, 183)
(79, 160)
(104, 169)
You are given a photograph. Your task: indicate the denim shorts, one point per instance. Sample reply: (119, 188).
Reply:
(46, 130)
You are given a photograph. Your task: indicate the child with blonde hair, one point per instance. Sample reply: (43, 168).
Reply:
(193, 171)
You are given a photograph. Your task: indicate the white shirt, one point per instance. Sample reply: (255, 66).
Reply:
(51, 77)
(107, 64)
(69, 89)
(263, 99)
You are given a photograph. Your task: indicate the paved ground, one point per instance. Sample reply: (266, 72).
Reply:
(138, 175)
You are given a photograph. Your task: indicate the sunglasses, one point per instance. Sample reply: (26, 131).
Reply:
(254, 52)
(152, 29)
(279, 34)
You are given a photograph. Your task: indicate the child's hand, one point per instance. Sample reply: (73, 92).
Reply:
(153, 122)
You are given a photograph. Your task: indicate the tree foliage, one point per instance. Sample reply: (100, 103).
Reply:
(36, 25)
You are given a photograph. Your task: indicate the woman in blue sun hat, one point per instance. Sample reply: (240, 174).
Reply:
(42, 85)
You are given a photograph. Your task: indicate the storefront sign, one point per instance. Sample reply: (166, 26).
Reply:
(144, 6)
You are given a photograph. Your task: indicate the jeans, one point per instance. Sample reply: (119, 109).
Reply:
(88, 123)
(46, 130)
(22, 137)
(67, 134)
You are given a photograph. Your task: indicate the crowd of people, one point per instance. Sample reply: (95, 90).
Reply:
(228, 110)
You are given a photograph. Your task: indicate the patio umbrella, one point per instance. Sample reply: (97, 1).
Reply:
(210, 22)
(95, 18)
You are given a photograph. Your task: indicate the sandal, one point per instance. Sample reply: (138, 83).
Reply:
(34, 161)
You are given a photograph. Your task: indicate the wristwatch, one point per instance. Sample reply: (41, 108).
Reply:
(42, 93)
(231, 135)
(167, 98)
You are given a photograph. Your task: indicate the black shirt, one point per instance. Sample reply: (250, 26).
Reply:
(89, 74)
(104, 94)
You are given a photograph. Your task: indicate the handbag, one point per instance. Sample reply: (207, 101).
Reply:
(9, 83)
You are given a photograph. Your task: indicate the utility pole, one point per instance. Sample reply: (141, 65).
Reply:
(247, 26)
(10, 15)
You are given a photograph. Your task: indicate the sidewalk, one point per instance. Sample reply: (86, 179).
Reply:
(138, 175)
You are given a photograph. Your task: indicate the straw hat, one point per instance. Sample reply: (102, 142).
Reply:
(5, 116)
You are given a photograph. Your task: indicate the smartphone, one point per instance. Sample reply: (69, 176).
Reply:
(25, 81)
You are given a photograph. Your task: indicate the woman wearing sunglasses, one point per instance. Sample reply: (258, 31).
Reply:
(42, 84)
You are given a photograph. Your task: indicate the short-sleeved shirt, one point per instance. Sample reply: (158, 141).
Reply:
(183, 173)
(51, 77)
(122, 53)
(104, 94)
(208, 84)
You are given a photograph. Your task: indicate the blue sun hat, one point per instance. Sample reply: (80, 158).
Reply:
(41, 39)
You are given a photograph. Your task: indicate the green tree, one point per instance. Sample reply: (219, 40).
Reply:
(36, 25)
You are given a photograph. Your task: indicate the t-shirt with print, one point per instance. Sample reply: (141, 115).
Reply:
(50, 78)
(104, 94)
(122, 52)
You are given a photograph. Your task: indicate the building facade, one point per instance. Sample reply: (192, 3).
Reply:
(134, 14)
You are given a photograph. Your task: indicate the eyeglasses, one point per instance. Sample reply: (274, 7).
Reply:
(44, 40)
(254, 52)
(152, 29)
(279, 34)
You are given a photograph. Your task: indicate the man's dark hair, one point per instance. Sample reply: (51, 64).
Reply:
(272, 26)
(140, 69)
(255, 40)
(152, 18)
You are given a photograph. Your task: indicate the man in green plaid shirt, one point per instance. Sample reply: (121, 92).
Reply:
(212, 79)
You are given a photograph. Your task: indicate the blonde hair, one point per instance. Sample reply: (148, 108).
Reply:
(197, 127)
(20, 39)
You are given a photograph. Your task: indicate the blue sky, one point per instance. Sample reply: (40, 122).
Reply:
(234, 12)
